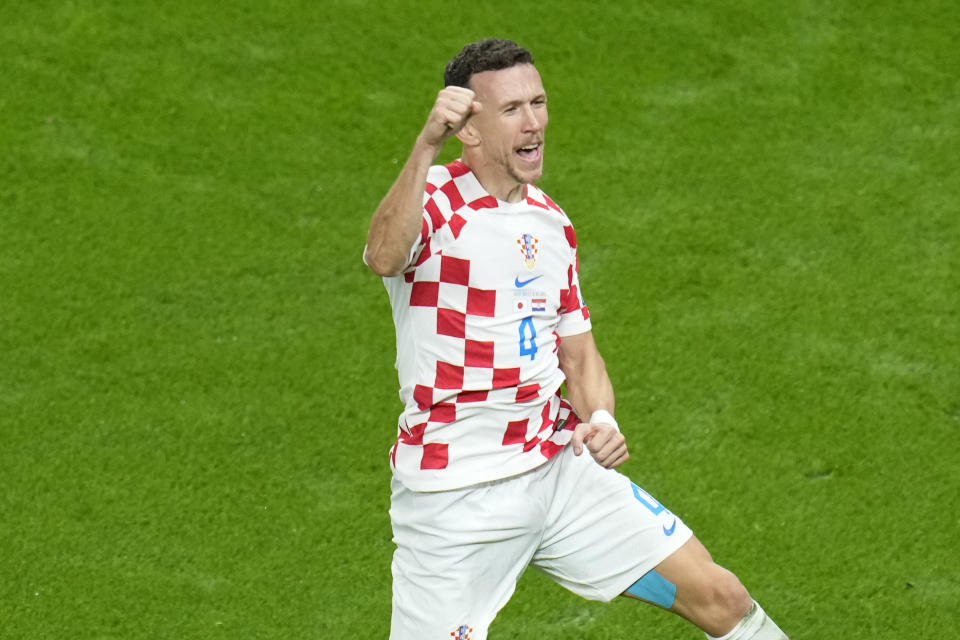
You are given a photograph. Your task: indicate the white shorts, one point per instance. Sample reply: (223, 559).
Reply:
(460, 553)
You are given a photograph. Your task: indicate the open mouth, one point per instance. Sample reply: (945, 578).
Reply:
(531, 152)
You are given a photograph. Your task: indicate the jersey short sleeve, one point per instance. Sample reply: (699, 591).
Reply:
(574, 314)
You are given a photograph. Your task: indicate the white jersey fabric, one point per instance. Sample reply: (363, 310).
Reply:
(491, 289)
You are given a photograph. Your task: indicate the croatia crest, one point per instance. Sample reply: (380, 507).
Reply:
(529, 246)
(461, 633)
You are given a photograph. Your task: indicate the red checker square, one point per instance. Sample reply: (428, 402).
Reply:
(425, 254)
(536, 203)
(471, 396)
(481, 302)
(528, 392)
(531, 444)
(478, 353)
(453, 194)
(451, 323)
(486, 202)
(457, 169)
(516, 432)
(415, 436)
(456, 224)
(436, 217)
(571, 236)
(424, 294)
(449, 376)
(443, 412)
(408, 276)
(549, 449)
(504, 378)
(423, 396)
(435, 456)
(545, 418)
(454, 270)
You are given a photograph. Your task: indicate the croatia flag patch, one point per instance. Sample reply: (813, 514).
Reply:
(461, 633)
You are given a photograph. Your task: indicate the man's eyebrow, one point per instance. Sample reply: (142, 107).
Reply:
(515, 103)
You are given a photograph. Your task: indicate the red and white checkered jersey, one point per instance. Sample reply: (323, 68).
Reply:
(490, 290)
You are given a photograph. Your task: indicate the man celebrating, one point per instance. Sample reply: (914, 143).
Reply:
(489, 474)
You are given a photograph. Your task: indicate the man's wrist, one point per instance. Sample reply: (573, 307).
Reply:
(602, 416)
(428, 147)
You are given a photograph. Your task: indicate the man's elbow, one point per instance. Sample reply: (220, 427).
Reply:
(381, 264)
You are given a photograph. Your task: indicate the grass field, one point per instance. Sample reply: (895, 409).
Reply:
(196, 383)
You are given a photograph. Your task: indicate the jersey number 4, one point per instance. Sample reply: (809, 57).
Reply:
(528, 338)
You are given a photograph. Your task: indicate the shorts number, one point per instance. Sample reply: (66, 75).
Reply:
(528, 338)
(647, 500)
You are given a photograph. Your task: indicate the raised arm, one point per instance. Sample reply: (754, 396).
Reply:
(591, 393)
(397, 221)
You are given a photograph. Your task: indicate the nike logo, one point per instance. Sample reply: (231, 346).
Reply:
(519, 284)
(673, 527)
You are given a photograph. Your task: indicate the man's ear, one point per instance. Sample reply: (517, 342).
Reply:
(469, 135)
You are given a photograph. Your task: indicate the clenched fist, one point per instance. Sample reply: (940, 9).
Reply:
(450, 112)
(605, 443)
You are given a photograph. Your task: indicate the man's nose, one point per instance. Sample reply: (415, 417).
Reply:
(530, 121)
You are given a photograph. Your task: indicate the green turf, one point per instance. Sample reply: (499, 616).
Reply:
(196, 383)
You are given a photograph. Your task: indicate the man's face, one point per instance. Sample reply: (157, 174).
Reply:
(511, 125)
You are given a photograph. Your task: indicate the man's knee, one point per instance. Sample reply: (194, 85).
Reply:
(726, 603)
(708, 595)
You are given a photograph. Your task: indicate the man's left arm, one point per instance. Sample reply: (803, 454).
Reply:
(590, 392)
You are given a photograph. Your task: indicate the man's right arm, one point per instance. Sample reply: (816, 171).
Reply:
(397, 221)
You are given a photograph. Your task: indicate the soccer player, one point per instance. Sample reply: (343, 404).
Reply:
(489, 471)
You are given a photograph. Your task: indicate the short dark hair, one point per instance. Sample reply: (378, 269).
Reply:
(490, 54)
